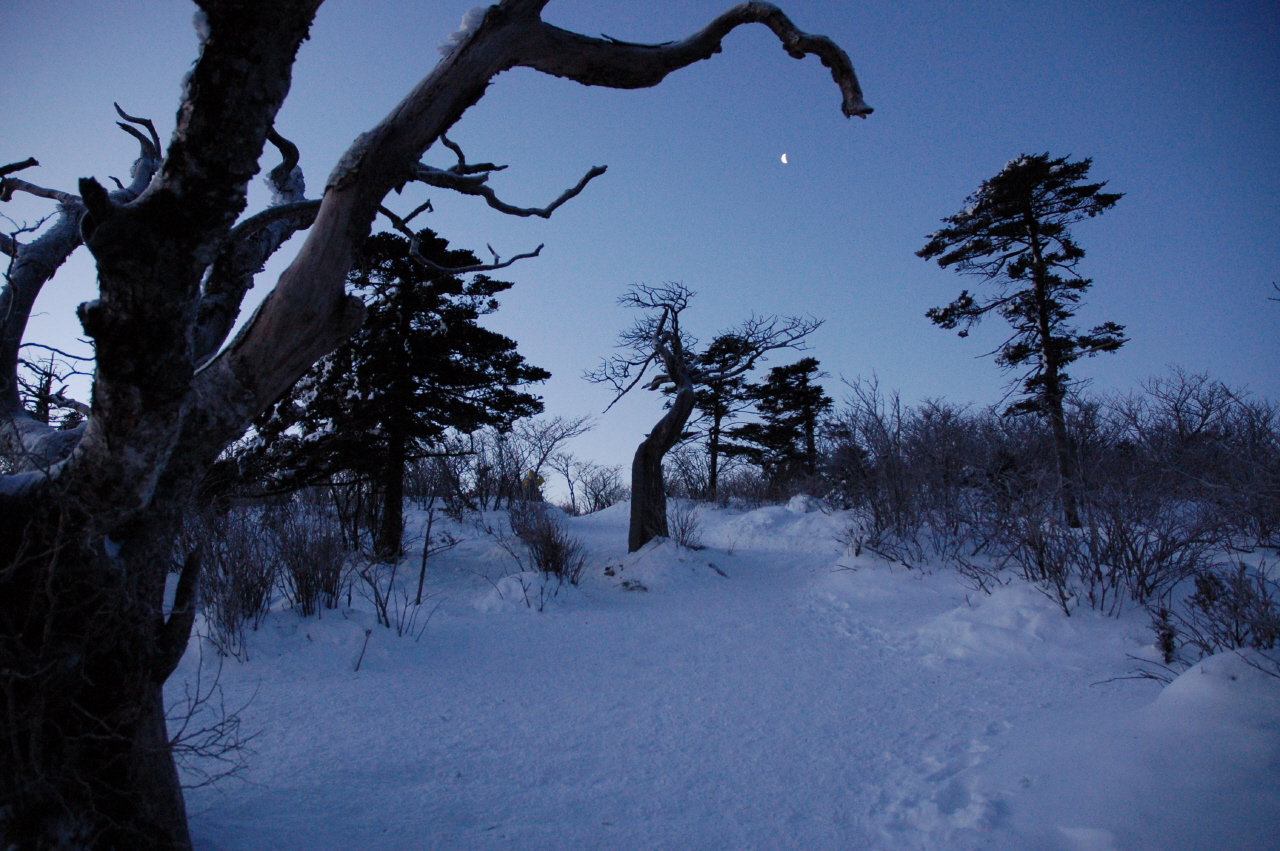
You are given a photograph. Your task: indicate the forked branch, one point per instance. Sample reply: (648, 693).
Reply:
(402, 225)
(472, 182)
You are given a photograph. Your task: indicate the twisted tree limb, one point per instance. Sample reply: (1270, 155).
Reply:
(265, 357)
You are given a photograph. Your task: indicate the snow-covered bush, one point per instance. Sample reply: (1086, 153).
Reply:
(1233, 608)
(602, 487)
(1171, 482)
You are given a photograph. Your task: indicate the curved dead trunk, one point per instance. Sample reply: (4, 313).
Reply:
(648, 491)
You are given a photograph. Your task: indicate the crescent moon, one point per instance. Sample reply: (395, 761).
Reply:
(784, 158)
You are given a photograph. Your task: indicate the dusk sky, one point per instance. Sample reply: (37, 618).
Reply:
(1176, 102)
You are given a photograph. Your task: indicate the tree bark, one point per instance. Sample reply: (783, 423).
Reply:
(86, 752)
(1053, 393)
(713, 451)
(390, 538)
(648, 491)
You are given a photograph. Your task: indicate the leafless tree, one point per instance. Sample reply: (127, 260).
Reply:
(90, 514)
(602, 487)
(539, 439)
(656, 342)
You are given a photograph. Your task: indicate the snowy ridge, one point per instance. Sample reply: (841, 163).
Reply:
(776, 696)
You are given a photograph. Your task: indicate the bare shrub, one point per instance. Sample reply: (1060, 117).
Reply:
(1233, 607)
(393, 605)
(742, 486)
(489, 469)
(1168, 482)
(871, 473)
(310, 549)
(433, 542)
(552, 550)
(207, 740)
(686, 470)
(592, 487)
(1138, 547)
(240, 566)
(1209, 443)
(603, 487)
(922, 482)
(682, 520)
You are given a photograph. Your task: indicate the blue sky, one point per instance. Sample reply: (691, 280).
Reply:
(1175, 101)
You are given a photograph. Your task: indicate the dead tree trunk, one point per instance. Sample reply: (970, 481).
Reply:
(90, 515)
(648, 490)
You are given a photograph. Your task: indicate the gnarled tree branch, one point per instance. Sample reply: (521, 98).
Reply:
(402, 225)
(266, 356)
(472, 182)
(621, 65)
(29, 443)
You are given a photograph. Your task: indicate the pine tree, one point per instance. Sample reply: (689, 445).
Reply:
(790, 402)
(420, 366)
(1015, 234)
(718, 400)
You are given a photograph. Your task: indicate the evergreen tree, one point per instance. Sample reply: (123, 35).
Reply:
(718, 400)
(790, 402)
(419, 366)
(1015, 234)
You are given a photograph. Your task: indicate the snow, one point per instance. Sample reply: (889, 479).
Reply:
(767, 692)
(470, 23)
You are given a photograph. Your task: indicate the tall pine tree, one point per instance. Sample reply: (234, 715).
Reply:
(1015, 235)
(719, 400)
(419, 366)
(784, 442)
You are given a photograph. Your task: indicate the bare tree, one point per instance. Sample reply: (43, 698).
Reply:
(656, 341)
(538, 440)
(91, 514)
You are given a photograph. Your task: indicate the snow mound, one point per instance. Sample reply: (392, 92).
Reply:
(1231, 686)
(663, 565)
(798, 526)
(1012, 619)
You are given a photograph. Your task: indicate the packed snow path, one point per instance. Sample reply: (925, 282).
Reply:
(759, 694)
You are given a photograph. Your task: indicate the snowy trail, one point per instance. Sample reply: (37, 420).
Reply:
(788, 704)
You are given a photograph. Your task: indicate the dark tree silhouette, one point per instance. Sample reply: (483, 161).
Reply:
(419, 367)
(784, 442)
(1015, 234)
(657, 341)
(719, 401)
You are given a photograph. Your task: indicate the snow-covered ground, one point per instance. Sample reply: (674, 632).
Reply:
(766, 692)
